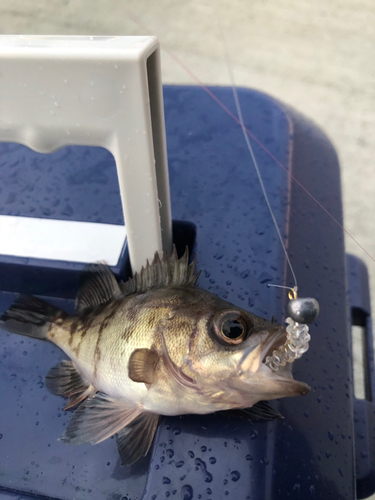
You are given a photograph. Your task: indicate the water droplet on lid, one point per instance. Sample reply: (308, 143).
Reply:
(264, 278)
(235, 475)
(254, 434)
(166, 480)
(187, 492)
(331, 436)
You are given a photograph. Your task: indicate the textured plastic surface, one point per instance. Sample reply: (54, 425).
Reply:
(99, 91)
(309, 454)
(364, 409)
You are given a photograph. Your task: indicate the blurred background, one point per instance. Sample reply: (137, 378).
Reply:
(318, 57)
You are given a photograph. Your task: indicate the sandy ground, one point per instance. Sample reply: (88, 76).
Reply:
(316, 56)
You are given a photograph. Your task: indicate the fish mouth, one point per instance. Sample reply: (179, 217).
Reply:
(257, 379)
(274, 342)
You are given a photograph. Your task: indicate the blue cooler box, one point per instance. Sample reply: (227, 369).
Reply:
(323, 448)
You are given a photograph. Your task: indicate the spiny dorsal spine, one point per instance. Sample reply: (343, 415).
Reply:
(163, 271)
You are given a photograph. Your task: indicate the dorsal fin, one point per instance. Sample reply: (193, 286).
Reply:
(97, 285)
(163, 272)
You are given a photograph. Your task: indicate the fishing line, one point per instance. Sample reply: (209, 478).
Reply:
(204, 87)
(256, 166)
(300, 311)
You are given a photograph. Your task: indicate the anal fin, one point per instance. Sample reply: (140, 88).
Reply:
(64, 380)
(135, 440)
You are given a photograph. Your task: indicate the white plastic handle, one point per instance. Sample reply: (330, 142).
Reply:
(95, 91)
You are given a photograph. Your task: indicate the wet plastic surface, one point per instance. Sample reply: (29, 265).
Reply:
(310, 454)
(364, 409)
(75, 183)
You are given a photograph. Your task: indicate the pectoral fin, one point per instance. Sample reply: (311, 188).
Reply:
(135, 440)
(142, 364)
(98, 418)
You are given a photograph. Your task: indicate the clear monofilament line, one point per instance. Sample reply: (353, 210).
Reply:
(297, 339)
(255, 163)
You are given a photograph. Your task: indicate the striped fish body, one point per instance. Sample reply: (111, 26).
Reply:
(155, 345)
(102, 342)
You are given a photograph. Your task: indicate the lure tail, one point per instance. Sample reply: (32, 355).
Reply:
(31, 317)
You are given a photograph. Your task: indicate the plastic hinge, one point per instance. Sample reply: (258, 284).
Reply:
(364, 409)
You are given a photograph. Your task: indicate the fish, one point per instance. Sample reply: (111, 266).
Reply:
(154, 345)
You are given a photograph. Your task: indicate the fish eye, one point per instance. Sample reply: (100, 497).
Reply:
(231, 327)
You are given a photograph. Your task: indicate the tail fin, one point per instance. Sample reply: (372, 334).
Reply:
(30, 316)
